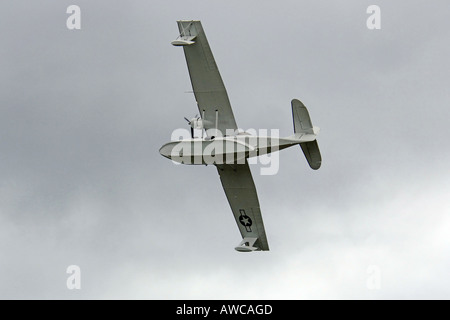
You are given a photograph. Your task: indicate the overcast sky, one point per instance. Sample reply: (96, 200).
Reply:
(83, 114)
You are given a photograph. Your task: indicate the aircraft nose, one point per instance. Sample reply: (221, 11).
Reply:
(166, 150)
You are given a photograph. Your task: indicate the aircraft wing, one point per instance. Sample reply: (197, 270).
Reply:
(209, 90)
(241, 193)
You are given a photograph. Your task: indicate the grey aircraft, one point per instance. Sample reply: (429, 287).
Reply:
(226, 147)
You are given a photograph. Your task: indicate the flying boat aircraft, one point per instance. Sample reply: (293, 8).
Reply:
(223, 145)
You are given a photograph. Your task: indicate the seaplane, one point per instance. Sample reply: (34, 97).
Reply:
(224, 145)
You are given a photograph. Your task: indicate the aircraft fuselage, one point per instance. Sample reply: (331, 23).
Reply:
(229, 149)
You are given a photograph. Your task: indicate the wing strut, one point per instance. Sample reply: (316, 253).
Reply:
(217, 123)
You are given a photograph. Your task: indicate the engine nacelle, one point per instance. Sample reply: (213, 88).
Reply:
(196, 123)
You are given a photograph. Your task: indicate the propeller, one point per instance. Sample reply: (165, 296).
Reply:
(190, 123)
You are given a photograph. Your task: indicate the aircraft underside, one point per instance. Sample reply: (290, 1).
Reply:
(230, 152)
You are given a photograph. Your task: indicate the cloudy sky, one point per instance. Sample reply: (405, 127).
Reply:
(84, 112)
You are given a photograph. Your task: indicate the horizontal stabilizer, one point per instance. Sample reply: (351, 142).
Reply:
(302, 121)
(303, 127)
(312, 154)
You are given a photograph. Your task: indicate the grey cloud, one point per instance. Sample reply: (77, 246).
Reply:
(83, 114)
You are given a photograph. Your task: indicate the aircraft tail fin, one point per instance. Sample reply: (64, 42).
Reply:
(304, 130)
